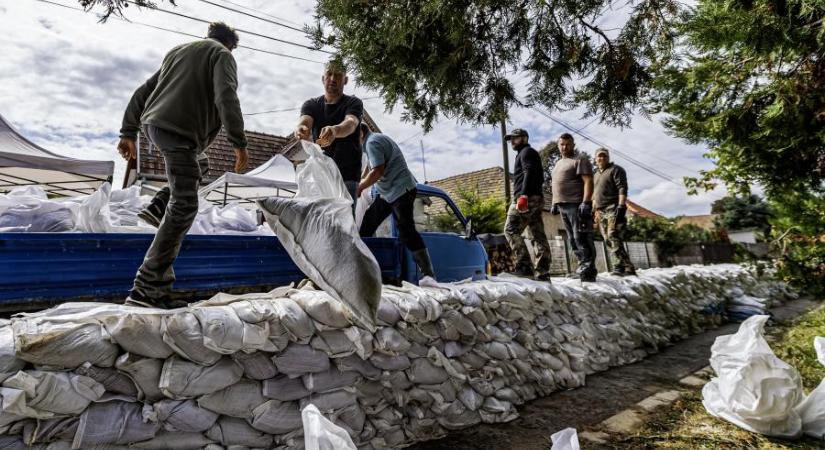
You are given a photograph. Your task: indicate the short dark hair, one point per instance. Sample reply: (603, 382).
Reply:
(567, 136)
(224, 34)
(364, 128)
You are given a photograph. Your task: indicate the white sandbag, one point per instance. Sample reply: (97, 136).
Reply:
(566, 439)
(113, 422)
(9, 362)
(321, 434)
(61, 344)
(138, 333)
(298, 359)
(284, 389)
(182, 379)
(144, 372)
(183, 333)
(390, 341)
(753, 389)
(322, 308)
(256, 365)
(297, 323)
(183, 416)
(237, 400)
(55, 393)
(225, 333)
(335, 343)
(45, 217)
(92, 216)
(318, 231)
(233, 431)
(112, 380)
(276, 417)
(812, 409)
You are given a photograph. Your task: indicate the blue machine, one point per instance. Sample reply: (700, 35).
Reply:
(38, 269)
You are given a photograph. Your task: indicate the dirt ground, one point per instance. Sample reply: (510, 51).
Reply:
(605, 394)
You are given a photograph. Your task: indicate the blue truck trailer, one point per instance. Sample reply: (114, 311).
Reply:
(42, 269)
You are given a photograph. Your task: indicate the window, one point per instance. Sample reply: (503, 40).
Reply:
(433, 213)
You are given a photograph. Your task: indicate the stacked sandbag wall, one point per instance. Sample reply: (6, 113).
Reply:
(235, 371)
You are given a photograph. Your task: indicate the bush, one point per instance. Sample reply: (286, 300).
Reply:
(488, 213)
(668, 237)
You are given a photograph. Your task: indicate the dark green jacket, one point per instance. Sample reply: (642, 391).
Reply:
(608, 185)
(192, 94)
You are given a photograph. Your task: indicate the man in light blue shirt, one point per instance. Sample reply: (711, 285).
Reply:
(396, 194)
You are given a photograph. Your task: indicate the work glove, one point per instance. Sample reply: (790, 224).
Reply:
(554, 210)
(621, 214)
(586, 211)
(521, 204)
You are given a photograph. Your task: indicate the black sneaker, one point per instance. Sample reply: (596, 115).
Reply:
(148, 216)
(544, 277)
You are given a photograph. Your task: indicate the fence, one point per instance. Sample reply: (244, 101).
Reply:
(644, 255)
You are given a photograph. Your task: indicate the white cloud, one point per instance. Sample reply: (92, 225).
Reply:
(65, 80)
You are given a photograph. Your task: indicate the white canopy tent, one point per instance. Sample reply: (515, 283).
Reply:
(24, 163)
(274, 178)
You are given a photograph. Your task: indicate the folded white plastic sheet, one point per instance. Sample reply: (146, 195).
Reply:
(443, 357)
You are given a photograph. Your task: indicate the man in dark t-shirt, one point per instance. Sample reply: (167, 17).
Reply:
(331, 120)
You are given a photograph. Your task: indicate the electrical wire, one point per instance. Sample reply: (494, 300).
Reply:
(182, 33)
(252, 15)
(275, 111)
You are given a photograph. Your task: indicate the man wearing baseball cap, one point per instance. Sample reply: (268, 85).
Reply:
(528, 178)
(610, 202)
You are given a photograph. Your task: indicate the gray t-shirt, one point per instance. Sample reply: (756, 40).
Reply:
(397, 178)
(568, 185)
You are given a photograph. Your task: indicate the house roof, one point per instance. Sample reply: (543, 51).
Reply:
(490, 183)
(261, 147)
(704, 221)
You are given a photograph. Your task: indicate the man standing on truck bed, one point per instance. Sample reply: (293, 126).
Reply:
(610, 201)
(396, 187)
(181, 108)
(331, 120)
(572, 197)
(528, 179)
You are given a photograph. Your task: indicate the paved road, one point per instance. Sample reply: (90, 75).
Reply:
(605, 394)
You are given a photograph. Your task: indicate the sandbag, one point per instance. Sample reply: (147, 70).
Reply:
(139, 334)
(753, 388)
(183, 333)
(9, 362)
(181, 379)
(55, 393)
(566, 439)
(289, 314)
(318, 231)
(276, 417)
(233, 431)
(284, 388)
(256, 365)
(175, 441)
(237, 400)
(45, 431)
(113, 422)
(297, 360)
(112, 380)
(329, 380)
(64, 345)
(184, 416)
(144, 372)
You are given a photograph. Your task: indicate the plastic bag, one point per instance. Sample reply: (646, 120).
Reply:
(566, 439)
(753, 389)
(321, 434)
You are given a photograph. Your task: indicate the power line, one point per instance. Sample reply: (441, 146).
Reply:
(275, 111)
(251, 33)
(263, 13)
(283, 55)
(252, 15)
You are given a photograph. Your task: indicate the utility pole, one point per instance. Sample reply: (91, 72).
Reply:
(506, 162)
(423, 161)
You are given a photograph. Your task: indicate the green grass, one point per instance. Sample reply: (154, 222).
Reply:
(685, 425)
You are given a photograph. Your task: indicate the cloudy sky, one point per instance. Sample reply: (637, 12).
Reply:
(65, 80)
